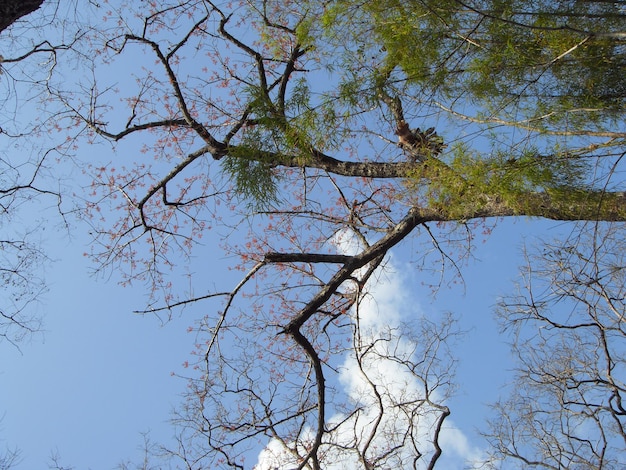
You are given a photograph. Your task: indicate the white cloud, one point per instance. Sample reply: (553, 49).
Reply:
(275, 457)
(454, 441)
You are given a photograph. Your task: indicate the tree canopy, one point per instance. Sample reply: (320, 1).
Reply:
(327, 133)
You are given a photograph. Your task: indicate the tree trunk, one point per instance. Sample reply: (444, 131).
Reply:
(13, 10)
(566, 205)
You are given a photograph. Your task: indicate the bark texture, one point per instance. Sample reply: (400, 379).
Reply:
(13, 10)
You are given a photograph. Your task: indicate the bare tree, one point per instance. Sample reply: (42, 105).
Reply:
(274, 148)
(568, 322)
(293, 124)
(29, 53)
(9, 459)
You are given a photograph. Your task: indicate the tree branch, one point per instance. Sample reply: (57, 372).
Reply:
(306, 258)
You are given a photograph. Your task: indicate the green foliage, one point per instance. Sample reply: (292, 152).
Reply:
(310, 125)
(549, 58)
(302, 125)
(470, 182)
(248, 165)
(261, 107)
(305, 32)
(292, 135)
(414, 35)
(254, 179)
(509, 60)
(564, 58)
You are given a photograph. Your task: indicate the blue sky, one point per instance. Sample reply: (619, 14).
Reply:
(100, 375)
